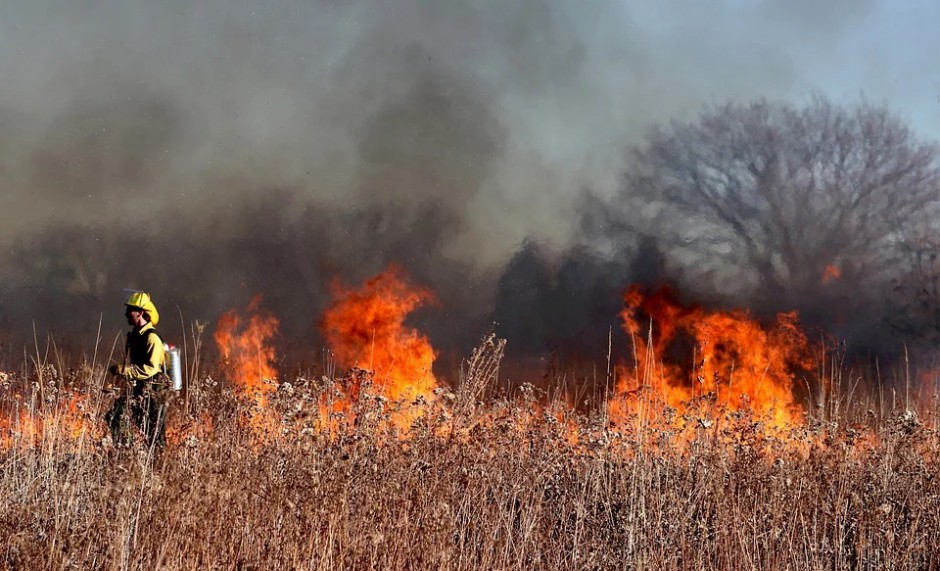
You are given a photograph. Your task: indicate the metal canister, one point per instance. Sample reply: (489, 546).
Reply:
(174, 366)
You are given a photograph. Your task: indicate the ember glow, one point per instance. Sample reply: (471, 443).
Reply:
(365, 328)
(736, 363)
(831, 273)
(69, 421)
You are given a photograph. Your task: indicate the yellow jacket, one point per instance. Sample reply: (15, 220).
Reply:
(143, 354)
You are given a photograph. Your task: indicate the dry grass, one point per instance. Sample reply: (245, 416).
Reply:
(500, 485)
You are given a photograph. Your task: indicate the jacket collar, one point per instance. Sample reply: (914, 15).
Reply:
(147, 327)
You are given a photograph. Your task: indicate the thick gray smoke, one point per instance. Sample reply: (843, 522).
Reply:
(211, 151)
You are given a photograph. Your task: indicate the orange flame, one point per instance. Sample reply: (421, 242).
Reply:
(70, 421)
(246, 347)
(366, 328)
(738, 364)
(831, 273)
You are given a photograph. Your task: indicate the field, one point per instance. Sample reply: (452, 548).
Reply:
(309, 478)
(762, 451)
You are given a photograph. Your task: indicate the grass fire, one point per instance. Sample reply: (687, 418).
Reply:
(437, 284)
(696, 460)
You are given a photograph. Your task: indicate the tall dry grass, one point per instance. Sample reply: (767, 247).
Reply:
(502, 484)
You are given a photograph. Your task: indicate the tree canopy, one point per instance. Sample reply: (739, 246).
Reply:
(776, 199)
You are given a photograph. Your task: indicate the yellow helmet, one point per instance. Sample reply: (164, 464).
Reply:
(142, 301)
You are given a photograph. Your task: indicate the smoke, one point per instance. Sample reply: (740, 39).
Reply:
(210, 151)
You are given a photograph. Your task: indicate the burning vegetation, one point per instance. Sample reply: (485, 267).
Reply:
(699, 365)
(691, 368)
(700, 458)
(366, 329)
(247, 354)
(736, 364)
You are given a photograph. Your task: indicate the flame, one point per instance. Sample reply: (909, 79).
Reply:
(69, 421)
(245, 344)
(365, 328)
(831, 273)
(738, 364)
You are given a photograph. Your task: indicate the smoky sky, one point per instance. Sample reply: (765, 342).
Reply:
(213, 150)
(502, 111)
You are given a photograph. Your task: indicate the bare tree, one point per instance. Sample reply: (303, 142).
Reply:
(914, 299)
(782, 197)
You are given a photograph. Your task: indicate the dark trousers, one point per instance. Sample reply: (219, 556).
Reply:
(143, 408)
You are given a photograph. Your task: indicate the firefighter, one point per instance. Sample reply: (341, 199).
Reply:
(140, 376)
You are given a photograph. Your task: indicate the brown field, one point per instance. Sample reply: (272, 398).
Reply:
(463, 484)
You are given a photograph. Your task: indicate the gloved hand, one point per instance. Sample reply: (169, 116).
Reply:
(116, 370)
